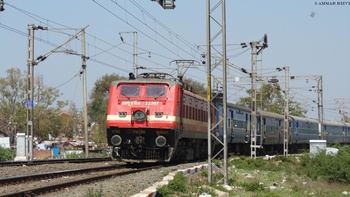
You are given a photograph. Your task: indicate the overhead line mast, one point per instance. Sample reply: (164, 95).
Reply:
(221, 30)
(31, 62)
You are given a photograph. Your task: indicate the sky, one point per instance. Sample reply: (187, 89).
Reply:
(311, 38)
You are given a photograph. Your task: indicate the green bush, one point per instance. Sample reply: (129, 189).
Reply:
(177, 185)
(7, 154)
(334, 168)
(252, 186)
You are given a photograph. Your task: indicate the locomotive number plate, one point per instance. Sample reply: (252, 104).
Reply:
(162, 132)
(139, 132)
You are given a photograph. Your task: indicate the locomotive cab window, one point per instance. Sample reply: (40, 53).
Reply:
(130, 90)
(156, 91)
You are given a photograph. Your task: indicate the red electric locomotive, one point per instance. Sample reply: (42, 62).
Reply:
(153, 118)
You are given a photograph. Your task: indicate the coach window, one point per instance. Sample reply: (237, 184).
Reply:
(198, 115)
(130, 90)
(156, 91)
(194, 113)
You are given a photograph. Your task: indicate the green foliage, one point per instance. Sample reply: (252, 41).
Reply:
(206, 190)
(258, 163)
(197, 87)
(334, 168)
(7, 154)
(98, 104)
(204, 173)
(252, 186)
(47, 119)
(12, 92)
(177, 185)
(300, 175)
(270, 99)
(94, 193)
(75, 155)
(165, 173)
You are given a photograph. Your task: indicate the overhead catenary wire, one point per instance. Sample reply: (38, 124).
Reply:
(103, 50)
(138, 29)
(64, 83)
(44, 20)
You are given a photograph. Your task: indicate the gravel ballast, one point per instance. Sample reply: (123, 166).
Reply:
(127, 185)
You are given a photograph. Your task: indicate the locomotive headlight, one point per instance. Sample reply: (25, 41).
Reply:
(139, 115)
(116, 140)
(160, 141)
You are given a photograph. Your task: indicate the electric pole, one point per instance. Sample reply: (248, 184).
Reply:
(30, 92)
(135, 49)
(318, 79)
(83, 65)
(254, 134)
(221, 29)
(31, 62)
(286, 111)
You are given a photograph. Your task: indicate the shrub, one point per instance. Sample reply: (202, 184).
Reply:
(178, 184)
(7, 154)
(252, 186)
(328, 167)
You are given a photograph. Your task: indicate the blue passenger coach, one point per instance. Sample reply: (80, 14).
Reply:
(335, 131)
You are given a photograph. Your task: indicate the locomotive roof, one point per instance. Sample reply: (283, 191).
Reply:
(149, 78)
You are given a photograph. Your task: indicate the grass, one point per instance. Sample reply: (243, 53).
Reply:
(94, 193)
(292, 176)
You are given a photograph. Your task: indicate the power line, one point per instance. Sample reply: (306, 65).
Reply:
(47, 21)
(68, 80)
(106, 9)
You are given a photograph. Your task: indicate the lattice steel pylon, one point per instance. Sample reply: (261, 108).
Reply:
(220, 30)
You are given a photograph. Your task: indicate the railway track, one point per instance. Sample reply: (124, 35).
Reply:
(55, 161)
(63, 179)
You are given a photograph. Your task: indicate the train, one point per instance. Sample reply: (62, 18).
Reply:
(155, 117)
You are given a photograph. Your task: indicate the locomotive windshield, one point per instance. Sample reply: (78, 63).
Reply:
(133, 90)
(157, 90)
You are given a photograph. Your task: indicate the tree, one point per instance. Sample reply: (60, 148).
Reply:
(269, 98)
(196, 86)
(13, 116)
(46, 116)
(12, 102)
(98, 105)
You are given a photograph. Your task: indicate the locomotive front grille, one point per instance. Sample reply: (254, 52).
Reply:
(146, 154)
